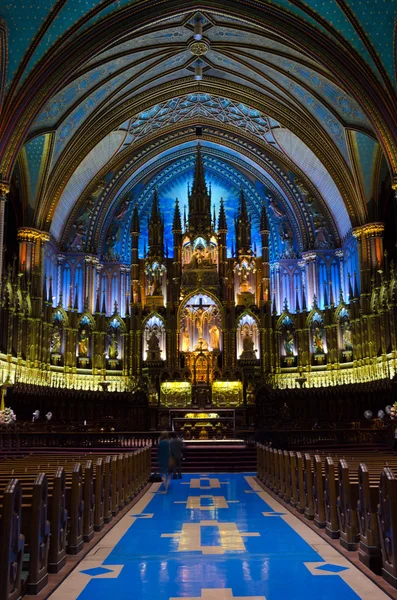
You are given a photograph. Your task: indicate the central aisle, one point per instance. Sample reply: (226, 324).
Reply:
(215, 537)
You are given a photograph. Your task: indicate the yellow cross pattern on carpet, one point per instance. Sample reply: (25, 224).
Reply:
(194, 502)
(190, 537)
(201, 483)
(221, 594)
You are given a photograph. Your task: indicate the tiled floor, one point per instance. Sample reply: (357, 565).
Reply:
(215, 537)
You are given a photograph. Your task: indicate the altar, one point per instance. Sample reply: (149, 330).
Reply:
(198, 425)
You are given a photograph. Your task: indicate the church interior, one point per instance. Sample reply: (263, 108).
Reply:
(198, 246)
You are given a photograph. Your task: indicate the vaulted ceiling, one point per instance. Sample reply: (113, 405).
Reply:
(292, 100)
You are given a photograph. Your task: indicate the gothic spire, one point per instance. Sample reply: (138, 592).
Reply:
(222, 224)
(199, 184)
(135, 228)
(243, 227)
(176, 224)
(264, 221)
(156, 230)
(199, 200)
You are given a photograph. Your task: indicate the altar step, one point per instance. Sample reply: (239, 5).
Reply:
(215, 458)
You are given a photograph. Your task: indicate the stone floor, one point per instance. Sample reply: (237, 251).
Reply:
(214, 537)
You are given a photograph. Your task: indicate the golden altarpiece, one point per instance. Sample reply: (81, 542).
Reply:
(202, 330)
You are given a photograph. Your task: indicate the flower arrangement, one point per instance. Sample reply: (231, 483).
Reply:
(393, 411)
(7, 416)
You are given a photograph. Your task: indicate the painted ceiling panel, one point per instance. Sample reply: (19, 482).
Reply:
(34, 155)
(331, 11)
(375, 16)
(215, 108)
(316, 172)
(72, 11)
(347, 108)
(88, 168)
(60, 103)
(22, 26)
(77, 117)
(366, 147)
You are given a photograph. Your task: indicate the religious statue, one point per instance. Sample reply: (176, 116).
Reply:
(113, 350)
(289, 343)
(318, 342)
(122, 210)
(277, 213)
(78, 240)
(156, 289)
(199, 318)
(250, 393)
(56, 342)
(244, 283)
(83, 343)
(322, 241)
(201, 258)
(153, 347)
(185, 340)
(347, 337)
(214, 337)
(247, 341)
(152, 393)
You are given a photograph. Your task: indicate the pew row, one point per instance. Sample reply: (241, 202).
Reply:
(52, 505)
(352, 495)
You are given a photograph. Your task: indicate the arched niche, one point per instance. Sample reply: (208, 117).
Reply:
(318, 341)
(154, 339)
(199, 253)
(345, 334)
(288, 346)
(200, 324)
(248, 343)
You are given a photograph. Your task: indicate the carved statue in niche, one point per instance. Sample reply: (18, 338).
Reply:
(289, 343)
(286, 237)
(153, 347)
(318, 341)
(277, 213)
(201, 258)
(113, 348)
(198, 318)
(185, 340)
(156, 287)
(86, 211)
(112, 240)
(347, 336)
(123, 209)
(56, 341)
(322, 240)
(247, 343)
(214, 337)
(250, 395)
(78, 241)
(83, 343)
(152, 393)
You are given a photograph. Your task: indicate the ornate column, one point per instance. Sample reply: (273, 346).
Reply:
(4, 189)
(370, 248)
(341, 257)
(60, 259)
(310, 259)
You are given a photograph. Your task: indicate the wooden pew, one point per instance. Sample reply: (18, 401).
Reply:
(387, 523)
(11, 542)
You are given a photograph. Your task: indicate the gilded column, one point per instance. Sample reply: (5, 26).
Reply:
(370, 248)
(310, 259)
(4, 189)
